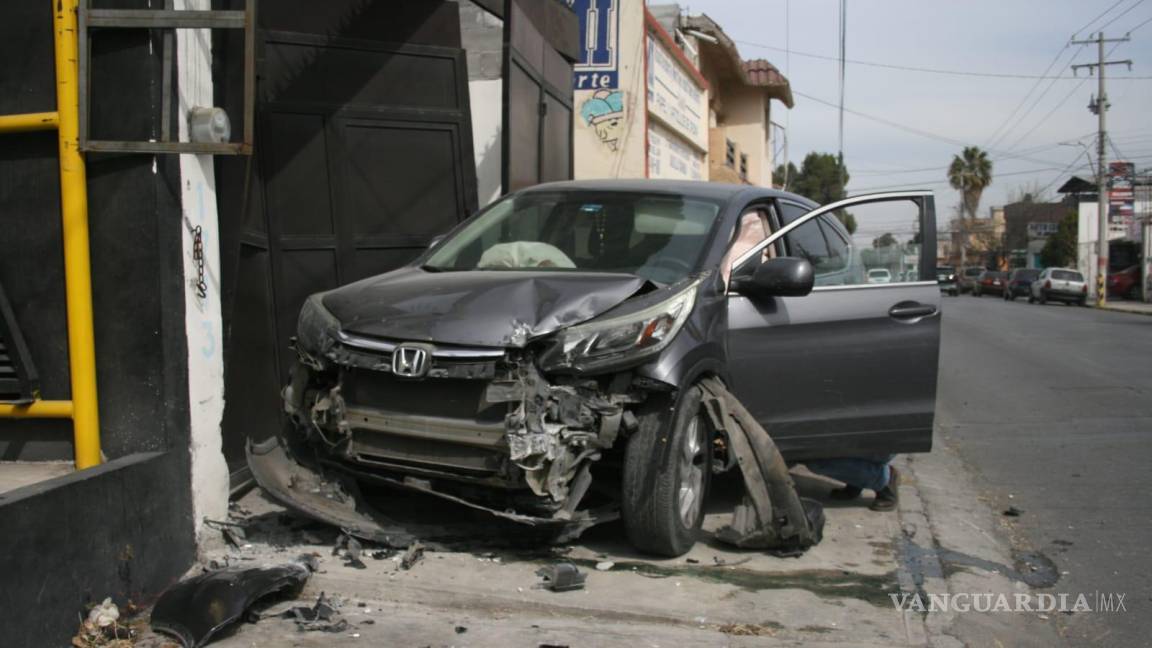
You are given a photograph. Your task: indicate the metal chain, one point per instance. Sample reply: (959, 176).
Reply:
(198, 258)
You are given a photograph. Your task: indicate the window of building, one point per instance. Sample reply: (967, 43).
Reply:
(730, 153)
(743, 166)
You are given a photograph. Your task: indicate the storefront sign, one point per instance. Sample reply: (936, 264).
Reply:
(598, 67)
(674, 96)
(670, 158)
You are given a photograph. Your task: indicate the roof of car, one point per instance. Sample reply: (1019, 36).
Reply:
(712, 190)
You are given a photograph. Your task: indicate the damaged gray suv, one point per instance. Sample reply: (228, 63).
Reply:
(542, 360)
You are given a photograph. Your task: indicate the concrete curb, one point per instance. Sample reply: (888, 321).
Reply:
(1144, 309)
(919, 566)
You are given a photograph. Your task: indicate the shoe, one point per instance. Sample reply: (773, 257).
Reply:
(888, 497)
(846, 494)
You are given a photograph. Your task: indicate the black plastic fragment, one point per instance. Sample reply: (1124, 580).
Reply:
(195, 610)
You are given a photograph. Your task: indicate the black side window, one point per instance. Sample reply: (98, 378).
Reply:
(790, 212)
(838, 249)
(807, 242)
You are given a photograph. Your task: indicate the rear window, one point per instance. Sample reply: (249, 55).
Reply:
(1067, 275)
(973, 272)
(1030, 273)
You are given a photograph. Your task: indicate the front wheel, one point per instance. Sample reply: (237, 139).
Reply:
(667, 471)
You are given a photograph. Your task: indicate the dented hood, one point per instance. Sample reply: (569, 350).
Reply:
(480, 308)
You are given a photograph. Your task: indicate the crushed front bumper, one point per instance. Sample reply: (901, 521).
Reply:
(491, 433)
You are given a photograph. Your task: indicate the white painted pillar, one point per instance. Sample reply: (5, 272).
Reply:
(203, 322)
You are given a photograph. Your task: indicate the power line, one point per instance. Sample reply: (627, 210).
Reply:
(915, 131)
(944, 182)
(1120, 15)
(1102, 14)
(913, 68)
(1059, 104)
(1138, 27)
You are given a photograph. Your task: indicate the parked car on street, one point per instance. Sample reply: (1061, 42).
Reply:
(946, 280)
(990, 282)
(558, 338)
(1125, 283)
(1019, 281)
(879, 275)
(967, 278)
(1059, 284)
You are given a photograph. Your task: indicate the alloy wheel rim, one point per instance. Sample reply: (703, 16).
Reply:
(692, 464)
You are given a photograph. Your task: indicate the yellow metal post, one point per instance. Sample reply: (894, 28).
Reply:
(77, 265)
(29, 122)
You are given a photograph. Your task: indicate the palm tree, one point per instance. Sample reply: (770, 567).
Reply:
(970, 173)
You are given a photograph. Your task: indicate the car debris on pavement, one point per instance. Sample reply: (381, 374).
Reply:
(561, 577)
(195, 610)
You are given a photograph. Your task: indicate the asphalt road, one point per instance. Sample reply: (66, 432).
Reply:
(1051, 409)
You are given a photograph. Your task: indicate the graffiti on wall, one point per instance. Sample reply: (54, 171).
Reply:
(604, 112)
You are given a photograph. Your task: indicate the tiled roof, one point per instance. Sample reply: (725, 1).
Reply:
(762, 73)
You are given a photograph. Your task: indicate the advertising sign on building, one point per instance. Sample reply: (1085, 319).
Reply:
(670, 158)
(675, 98)
(598, 67)
(1121, 195)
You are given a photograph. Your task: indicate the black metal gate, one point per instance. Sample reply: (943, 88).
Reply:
(363, 154)
(537, 95)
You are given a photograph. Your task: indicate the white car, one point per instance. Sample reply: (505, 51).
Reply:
(879, 276)
(1059, 284)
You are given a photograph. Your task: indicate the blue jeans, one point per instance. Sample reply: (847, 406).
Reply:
(872, 473)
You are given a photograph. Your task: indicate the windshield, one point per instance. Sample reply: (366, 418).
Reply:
(973, 272)
(659, 237)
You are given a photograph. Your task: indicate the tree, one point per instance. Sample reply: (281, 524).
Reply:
(884, 240)
(1060, 248)
(822, 178)
(970, 173)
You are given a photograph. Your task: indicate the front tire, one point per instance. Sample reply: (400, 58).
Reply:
(667, 471)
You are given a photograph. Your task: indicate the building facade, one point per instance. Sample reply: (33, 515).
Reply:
(663, 95)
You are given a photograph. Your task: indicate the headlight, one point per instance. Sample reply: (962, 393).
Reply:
(624, 338)
(316, 327)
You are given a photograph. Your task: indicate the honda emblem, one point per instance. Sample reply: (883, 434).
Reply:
(410, 361)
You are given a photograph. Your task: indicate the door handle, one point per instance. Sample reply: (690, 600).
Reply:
(911, 310)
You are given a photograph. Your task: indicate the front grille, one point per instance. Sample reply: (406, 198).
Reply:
(454, 398)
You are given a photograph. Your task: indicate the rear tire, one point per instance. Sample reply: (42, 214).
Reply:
(1043, 298)
(1031, 299)
(667, 471)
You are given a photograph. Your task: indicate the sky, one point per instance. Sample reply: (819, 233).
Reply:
(931, 115)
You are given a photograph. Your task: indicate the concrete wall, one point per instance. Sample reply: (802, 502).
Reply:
(203, 322)
(123, 529)
(745, 122)
(482, 36)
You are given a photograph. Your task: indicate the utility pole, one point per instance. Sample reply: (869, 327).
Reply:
(1099, 105)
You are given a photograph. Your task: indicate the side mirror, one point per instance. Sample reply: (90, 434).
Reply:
(779, 277)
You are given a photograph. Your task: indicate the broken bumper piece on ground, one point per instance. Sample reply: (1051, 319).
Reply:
(333, 497)
(197, 609)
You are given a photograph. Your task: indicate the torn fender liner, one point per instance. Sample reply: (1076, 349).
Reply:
(492, 308)
(772, 515)
(197, 609)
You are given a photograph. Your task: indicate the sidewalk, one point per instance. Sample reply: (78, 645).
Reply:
(1140, 308)
(943, 539)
